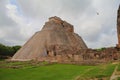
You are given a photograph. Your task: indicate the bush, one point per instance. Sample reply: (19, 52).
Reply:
(8, 50)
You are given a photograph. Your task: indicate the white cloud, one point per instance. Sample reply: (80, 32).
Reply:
(25, 17)
(20, 32)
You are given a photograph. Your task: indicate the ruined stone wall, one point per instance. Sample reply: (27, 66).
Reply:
(85, 56)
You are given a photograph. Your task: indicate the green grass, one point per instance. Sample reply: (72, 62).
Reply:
(118, 67)
(118, 78)
(99, 71)
(41, 71)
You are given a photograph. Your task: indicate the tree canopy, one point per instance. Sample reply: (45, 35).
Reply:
(8, 50)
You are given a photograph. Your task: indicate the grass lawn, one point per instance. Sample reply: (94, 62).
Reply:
(118, 67)
(118, 78)
(42, 71)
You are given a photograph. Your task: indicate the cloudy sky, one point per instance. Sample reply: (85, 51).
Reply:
(93, 20)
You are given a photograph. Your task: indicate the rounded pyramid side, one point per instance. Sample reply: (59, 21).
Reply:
(56, 37)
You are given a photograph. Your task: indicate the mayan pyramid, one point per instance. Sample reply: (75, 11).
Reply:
(57, 37)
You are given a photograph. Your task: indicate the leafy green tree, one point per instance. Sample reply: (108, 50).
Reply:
(8, 50)
(16, 48)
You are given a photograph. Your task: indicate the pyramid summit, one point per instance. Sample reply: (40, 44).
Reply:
(57, 37)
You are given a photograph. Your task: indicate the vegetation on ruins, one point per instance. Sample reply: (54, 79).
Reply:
(100, 49)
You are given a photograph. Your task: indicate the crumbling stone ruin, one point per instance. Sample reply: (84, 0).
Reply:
(57, 42)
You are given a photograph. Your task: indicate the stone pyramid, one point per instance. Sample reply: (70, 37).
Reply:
(56, 37)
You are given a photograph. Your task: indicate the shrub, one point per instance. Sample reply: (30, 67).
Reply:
(8, 50)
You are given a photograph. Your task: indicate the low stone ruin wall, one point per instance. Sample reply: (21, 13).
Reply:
(87, 56)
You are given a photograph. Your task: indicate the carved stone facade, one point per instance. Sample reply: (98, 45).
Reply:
(118, 27)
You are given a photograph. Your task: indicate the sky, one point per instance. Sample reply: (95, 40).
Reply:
(93, 20)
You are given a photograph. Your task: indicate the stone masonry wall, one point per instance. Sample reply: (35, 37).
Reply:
(85, 55)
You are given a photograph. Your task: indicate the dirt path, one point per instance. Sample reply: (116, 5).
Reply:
(114, 76)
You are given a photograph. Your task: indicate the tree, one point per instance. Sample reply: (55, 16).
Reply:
(8, 50)
(16, 48)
